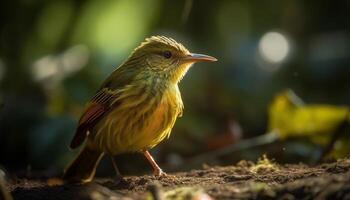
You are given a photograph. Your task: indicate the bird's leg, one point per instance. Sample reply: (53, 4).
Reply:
(117, 172)
(157, 171)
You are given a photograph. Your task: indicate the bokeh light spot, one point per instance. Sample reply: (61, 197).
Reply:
(274, 47)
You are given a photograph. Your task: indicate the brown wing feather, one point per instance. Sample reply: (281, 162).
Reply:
(96, 109)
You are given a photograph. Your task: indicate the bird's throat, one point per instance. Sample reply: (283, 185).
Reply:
(179, 72)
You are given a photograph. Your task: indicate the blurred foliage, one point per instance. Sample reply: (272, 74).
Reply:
(294, 119)
(289, 117)
(54, 54)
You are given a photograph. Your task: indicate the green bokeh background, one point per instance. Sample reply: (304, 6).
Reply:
(54, 55)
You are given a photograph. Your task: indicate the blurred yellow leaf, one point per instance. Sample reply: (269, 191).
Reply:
(290, 117)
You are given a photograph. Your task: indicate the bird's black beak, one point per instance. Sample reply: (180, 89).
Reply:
(194, 57)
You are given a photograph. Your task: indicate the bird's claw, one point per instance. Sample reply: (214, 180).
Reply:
(159, 173)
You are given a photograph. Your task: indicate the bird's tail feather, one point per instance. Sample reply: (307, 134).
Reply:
(83, 168)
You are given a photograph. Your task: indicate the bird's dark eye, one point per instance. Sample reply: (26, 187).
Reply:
(167, 54)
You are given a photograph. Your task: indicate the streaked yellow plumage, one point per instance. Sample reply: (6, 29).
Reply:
(135, 108)
(142, 127)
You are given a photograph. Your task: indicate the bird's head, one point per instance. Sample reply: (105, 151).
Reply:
(166, 58)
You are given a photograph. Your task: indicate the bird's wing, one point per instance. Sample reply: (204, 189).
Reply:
(96, 109)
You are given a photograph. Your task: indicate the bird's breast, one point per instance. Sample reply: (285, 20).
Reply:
(139, 122)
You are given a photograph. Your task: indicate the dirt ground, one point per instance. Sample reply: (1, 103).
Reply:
(245, 180)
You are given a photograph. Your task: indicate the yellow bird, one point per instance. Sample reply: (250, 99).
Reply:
(135, 108)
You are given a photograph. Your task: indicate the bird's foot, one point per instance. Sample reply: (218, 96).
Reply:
(159, 173)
